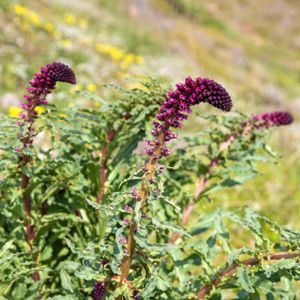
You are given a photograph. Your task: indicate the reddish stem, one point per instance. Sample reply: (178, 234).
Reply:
(229, 271)
(27, 202)
(143, 194)
(204, 180)
(103, 167)
(101, 193)
(24, 160)
(26, 195)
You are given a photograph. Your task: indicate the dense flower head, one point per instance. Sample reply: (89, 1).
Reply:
(99, 290)
(277, 118)
(43, 84)
(178, 103)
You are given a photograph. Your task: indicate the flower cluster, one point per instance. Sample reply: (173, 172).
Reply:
(173, 111)
(119, 56)
(277, 118)
(29, 15)
(42, 85)
(30, 21)
(99, 290)
(26, 17)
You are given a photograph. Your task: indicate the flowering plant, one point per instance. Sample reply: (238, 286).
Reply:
(86, 214)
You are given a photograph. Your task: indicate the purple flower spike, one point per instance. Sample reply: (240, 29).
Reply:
(60, 72)
(41, 85)
(99, 290)
(277, 118)
(178, 104)
(44, 82)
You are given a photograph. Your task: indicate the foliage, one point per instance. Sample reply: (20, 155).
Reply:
(83, 173)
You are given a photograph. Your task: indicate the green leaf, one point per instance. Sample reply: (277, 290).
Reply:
(243, 280)
(46, 253)
(169, 226)
(280, 265)
(19, 291)
(66, 281)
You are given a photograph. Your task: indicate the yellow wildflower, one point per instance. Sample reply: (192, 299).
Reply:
(20, 9)
(49, 27)
(92, 87)
(40, 109)
(62, 115)
(69, 19)
(96, 104)
(116, 54)
(34, 18)
(14, 111)
(129, 58)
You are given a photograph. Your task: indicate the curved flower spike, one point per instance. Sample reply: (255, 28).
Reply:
(61, 72)
(43, 84)
(173, 111)
(277, 118)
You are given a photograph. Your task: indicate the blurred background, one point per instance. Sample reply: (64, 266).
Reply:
(252, 47)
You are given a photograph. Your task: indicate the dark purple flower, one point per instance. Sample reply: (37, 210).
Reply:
(104, 262)
(178, 104)
(99, 290)
(60, 72)
(40, 86)
(277, 118)
(43, 84)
